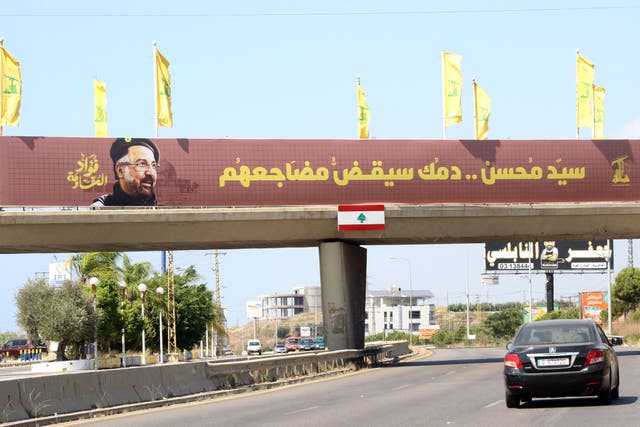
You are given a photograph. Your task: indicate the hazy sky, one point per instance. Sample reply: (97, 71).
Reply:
(286, 69)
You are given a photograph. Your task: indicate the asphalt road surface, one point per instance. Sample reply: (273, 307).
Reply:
(451, 387)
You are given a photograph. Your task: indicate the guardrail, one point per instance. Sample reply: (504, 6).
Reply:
(75, 395)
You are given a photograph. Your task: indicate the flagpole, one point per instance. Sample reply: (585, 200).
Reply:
(577, 97)
(475, 111)
(593, 111)
(444, 103)
(155, 87)
(358, 101)
(1, 89)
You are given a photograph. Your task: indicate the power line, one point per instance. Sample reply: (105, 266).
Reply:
(316, 14)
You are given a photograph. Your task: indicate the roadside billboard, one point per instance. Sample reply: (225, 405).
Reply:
(254, 309)
(73, 171)
(549, 255)
(592, 303)
(538, 312)
(59, 272)
(427, 333)
(305, 331)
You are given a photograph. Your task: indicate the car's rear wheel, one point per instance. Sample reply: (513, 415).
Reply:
(512, 401)
(615, 393)
(605, 397)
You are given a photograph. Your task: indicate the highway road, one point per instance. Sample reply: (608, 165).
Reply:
(451, 387)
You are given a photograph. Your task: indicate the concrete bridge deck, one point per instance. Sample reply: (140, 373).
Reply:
(33, 231)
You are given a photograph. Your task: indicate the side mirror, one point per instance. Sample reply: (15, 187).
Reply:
(616, 340)
(509, 346)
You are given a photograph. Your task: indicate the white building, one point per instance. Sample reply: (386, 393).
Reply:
(398, 310)
(387, 310)
(303, 299)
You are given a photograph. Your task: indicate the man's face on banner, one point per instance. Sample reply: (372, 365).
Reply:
(138, 176)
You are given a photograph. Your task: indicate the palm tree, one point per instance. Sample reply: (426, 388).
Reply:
(95, 264)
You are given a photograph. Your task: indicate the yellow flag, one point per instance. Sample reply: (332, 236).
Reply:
(482, 107)
(584, 92)
(598, 112)
(100, 107)
(452, 87)
(10, 88)
(163, 91)
(363, 114)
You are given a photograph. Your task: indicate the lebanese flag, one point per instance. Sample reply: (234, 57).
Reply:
(360, 217)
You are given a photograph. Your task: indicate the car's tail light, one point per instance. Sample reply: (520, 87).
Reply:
(594, 356)
(512, 361)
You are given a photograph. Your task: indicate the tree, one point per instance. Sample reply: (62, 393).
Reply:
(572, 313)
(72, 320)
(626, 291)
(32, 301)
(195, 309)
(63, 314)
(95, 264)
(283, 331)
(504, 324)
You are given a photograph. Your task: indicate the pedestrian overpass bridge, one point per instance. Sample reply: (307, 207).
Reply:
(285, 193)
(31, 230)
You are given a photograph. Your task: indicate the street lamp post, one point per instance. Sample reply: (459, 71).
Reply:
(160, 292)
(142, 288)
(123, 294)
(607, 255)
(410, 295)
(93, 283)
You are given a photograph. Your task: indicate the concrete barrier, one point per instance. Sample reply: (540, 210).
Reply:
(64, 366)
(180, 379)
(131, 385)
(57, 394)
(11, 408)
(90, 392)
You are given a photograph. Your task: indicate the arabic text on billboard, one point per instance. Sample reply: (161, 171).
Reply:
(592, 304)
(549, 255)
(73, 171)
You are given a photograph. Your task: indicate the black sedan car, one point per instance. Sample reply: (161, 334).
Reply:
(557, 358)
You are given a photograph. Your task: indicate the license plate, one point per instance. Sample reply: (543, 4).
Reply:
(555, 361)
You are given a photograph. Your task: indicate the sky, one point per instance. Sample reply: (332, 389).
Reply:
(287, 69)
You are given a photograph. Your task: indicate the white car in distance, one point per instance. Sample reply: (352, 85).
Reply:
(254, 347)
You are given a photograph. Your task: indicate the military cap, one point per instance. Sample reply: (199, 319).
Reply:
(121, 145)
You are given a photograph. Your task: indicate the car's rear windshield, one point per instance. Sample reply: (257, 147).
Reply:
(554, 335)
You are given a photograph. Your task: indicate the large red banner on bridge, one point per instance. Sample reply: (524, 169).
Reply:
(54, 171)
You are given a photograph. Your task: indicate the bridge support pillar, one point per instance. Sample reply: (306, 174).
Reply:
(343, 275)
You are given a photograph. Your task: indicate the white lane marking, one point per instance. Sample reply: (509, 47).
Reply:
(497, 402)
(310, 408)
(401, 387)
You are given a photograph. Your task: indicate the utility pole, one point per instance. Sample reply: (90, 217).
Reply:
(172, 347)
(216, 266)
(217, 293)
(630, 253)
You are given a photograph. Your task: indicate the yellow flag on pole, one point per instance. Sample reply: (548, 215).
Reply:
(482, 111)
(452, 87)
(598, 112)
(363, 114)
(10, 89)
(163, 91)
(100, 107)
(584, 92)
